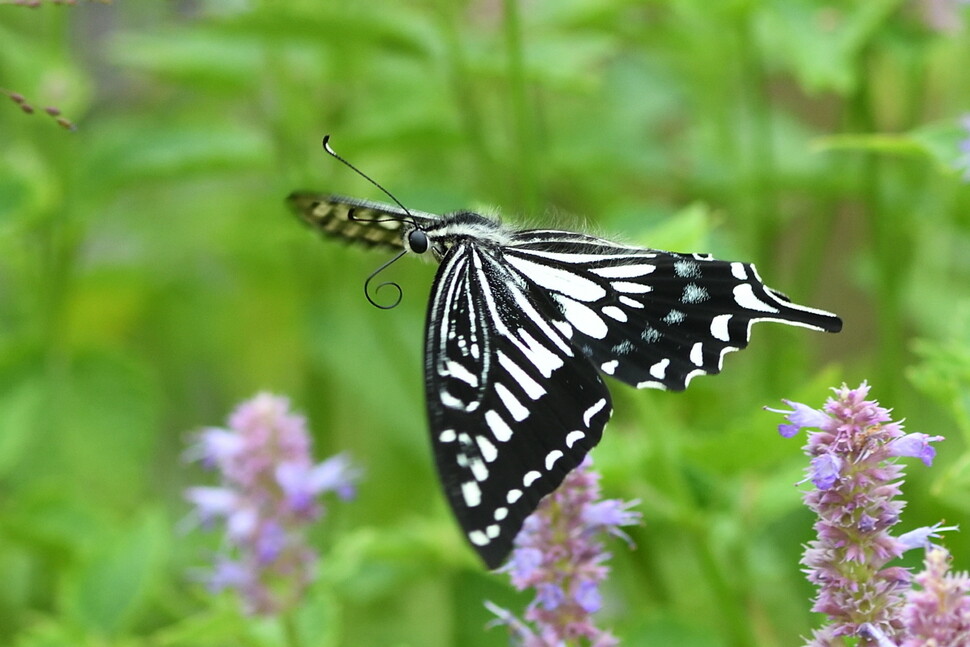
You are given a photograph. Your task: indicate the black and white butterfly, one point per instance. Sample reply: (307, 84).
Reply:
(520, 326)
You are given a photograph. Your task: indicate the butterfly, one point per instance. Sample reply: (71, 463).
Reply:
(521, 326)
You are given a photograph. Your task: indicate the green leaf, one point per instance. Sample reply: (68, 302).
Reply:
(204, 59)
(113, 584)
(20, 412)
(939, 141)
(127, 153)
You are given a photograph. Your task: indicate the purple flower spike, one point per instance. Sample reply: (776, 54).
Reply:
(559, 553)
(268, 495)
(857, 480)
(939, 614)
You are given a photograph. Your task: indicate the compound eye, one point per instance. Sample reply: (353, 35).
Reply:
(418, 241)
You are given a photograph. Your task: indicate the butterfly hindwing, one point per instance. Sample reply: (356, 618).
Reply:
(647, 317)
(512, 406)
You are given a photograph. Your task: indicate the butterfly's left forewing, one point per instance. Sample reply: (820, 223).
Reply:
(512, 406)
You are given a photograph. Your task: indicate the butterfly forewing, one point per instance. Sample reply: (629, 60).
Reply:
(647, 317)
(513, 407)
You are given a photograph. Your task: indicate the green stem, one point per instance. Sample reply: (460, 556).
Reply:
(468, 106)
(760, 141)
(888, 237)
(290, 633)
(522, 114)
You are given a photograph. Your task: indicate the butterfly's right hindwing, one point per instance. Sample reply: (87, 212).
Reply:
(374, 224)
(512, 407)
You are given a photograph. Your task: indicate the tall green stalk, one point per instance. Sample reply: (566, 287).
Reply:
(523, 116)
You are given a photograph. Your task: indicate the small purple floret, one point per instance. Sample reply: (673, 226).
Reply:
(915, 445)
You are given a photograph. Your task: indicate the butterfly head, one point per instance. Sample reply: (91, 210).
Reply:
(416, 241)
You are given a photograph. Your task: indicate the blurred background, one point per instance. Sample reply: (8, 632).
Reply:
(151, 278)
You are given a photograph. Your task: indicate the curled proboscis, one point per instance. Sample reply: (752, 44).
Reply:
(396, 286)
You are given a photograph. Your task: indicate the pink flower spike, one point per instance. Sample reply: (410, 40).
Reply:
(268, 496)
(559, 553)
(857, 484)
(939, 614)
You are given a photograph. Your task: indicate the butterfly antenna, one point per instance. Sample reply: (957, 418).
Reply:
(326, 147)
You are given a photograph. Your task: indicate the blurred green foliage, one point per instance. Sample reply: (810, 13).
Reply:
(150, 278)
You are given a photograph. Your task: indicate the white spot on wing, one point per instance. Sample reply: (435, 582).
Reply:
(558, 280)
(659, 370)
(500, 429)
(519, 413)
(737, 269)
(452, 402)
(564, 328)
(488, 450)
(687, 269)
(674, 317)
(574, 437)
(614, 313)
(565, 257)
(501, 513)
(694, 293)
(552, 457)
(582, 317)
(478, 538)
(447, 436)
(479, 471)
(633, 303)
(744, 297)
(592, 411)
(697, 354)
(690, 376)
(544, 359)
(492, 531)
(471, 493)
(625, 347)
(530, 386)
(459, 372)
(623, 271)
(719, 327)
(513, 496)
(609, 367)
(530, 477)
(631, 288)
